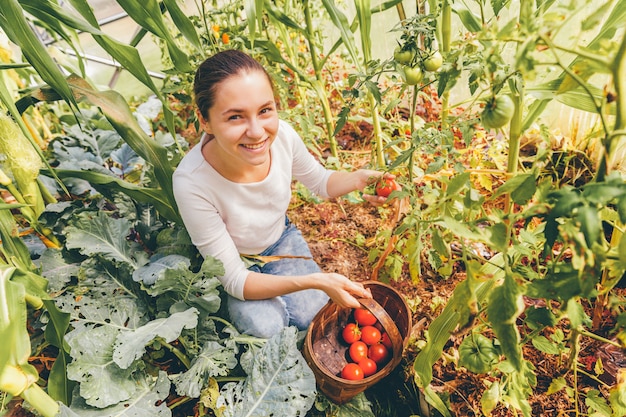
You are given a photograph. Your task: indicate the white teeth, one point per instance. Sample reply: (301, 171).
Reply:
(257, 146)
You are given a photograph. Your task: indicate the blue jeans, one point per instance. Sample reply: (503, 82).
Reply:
(265, 318)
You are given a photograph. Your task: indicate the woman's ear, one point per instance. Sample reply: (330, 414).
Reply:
(204, 124)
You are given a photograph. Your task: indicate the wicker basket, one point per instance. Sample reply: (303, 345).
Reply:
(326, 353)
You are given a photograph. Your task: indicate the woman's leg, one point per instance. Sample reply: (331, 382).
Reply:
(264, 318)
(301, 306)
(259, 318)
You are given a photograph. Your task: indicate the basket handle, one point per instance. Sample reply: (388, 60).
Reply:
(388, 324)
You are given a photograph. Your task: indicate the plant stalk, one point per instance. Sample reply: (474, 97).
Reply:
(446, 36)
(318, 86)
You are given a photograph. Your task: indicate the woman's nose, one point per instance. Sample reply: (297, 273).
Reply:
(255, 128)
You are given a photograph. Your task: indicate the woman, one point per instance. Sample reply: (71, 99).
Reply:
(233, 190)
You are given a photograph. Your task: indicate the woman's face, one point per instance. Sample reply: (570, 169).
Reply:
(243, 121)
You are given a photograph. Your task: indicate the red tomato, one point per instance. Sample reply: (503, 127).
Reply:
(378, 352)
(358, 351)
(364, 317)
(369, 367)
(385, 340)
(385, 186)
(352, 371)
(351, 333)
(370, 335)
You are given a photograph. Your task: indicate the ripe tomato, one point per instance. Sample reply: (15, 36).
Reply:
(385, 340)
(384, 186)
(369, 367)
(351, 333)
(378, 352)
(358, 351)
(352, 371)
(370, 335)
(364, 317)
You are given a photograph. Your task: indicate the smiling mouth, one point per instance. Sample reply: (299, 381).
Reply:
(254, 146)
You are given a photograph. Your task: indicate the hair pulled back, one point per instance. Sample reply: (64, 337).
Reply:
(218, 68)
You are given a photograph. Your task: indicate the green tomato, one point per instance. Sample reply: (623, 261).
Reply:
(433, 62)
(403, 56)
(413, 75)
(498, 111)
(477, 353)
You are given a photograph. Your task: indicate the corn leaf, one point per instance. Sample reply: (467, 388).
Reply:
(183, 24)
(107, 184)
(15, 350)
(147, 14)
(340, 21)
(18, 30)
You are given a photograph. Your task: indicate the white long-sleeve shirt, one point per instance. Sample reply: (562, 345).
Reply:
(225, 219)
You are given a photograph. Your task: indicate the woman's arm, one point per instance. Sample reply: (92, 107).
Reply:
(339, 288)
(344, 182)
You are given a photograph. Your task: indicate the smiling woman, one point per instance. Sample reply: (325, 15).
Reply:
(233, 190)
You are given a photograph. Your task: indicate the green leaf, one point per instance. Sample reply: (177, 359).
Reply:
(147, 14)
(148, 400)
(18, 30)
(130, 345)
(197, 289)
(544, 345)
(183, 24)
(590, 224)
(13, 316)
(504, 306)
(456, 313)
(97, 234)
(278, 383)
(521, 187)
(215, 359)
(477, 353)
(596, 403)
(102, 382)
(341, 22)
(490, 398)
(457, 183)
(107, 184)
(468, 19)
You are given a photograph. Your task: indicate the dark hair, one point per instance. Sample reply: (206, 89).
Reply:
(216, 69)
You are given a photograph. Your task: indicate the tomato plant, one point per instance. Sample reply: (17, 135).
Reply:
(378, 353)
(358, 351)
(352, 371)
(364, 317)
(369, 366)
(370, 335)
(351, 333)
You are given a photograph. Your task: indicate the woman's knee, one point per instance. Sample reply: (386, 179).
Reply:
(259, 318)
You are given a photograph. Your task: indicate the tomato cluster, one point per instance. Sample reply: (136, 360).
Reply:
(369, 346)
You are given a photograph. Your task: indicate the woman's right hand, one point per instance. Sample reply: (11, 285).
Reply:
(343, 291)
